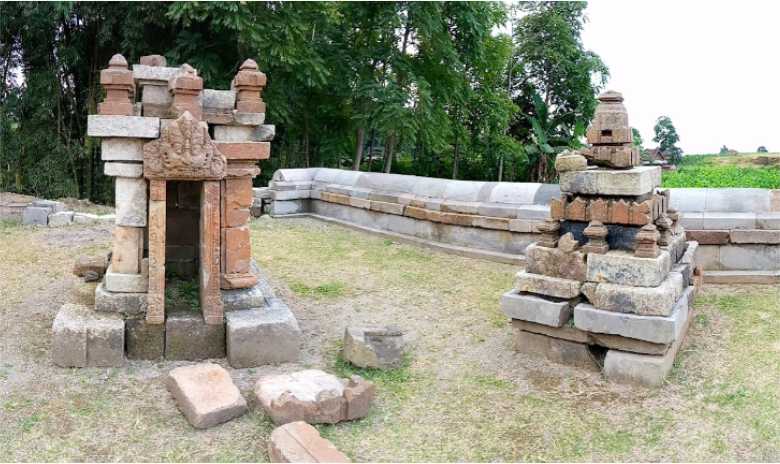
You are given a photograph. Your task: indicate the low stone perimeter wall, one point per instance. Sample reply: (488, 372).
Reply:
(737, 229)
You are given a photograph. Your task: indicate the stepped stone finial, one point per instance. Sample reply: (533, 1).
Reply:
(117, 61)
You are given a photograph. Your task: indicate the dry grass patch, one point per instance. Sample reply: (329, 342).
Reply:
(461, 395)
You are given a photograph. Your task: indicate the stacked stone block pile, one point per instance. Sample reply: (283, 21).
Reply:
(611, 281)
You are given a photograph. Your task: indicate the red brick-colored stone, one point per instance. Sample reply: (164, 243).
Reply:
(558, 208)
(155, 313)
(245, 150)
(210, 293)
(708, 237)
(619, 212)
(576, 210)
(300, 442)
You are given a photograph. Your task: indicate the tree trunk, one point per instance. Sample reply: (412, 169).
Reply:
(361, 135)
(371, 150)
(389, 151)
(455, 159)
(501, 168)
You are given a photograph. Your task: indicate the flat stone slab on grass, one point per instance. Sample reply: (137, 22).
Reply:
(300, 442)
(654, 329)
(36, 216)
(573, 334)
(313, 396)
(527, 307)
(63, 218)
(375, 347)
(645, 301)
(623, 268)
(548, 286)
(205, 394)
(84, 338)
(268, 335)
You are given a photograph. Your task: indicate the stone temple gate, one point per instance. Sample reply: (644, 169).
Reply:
(183, 158)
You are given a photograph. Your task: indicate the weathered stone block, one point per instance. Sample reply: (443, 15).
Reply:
(189, 338)
(264, 133)
(642, 369)
(153, 74)
(629, 182)
(218, 100)
(126, 283)
(573, 334)
(205, 394)
(749, 257)
(300, 442)
(648, 301)
(82, 338)
(555, 262)
(63, 218)
(555, 349)
(123, 126)
(233, 133)
(623, 268)
(54, 206)
(85, 218)
(119, 169)
(654, 329)
(243, 298)
(748, 236)
(36, 215)
(129, 305)
(546, 285)
(144, 340)
(312, 396)
(128, 249)
(130, 202)
(536, 309)
(375, 347)
(248, 119)
(708, 237)
(85, 264)
(262, 336)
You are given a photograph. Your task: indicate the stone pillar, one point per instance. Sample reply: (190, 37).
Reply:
(117, 80)
(236, 244)
(597, 238)
(210, 294)
(249, 83)
(186, 87)
(647, 242)
(550, 230)
(155, 312)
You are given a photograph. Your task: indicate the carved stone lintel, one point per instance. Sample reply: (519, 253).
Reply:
(550, 230)
(647, 242)
(184, 151)
(597, 238)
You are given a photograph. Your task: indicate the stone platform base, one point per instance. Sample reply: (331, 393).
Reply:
(259, 329)
(621, 359)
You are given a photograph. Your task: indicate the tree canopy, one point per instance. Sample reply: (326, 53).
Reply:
(666, 137)
(409, 87)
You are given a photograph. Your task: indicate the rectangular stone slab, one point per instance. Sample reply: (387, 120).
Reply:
(300, 442)
(554, 349)
(245, 150)
(122, 149)
(647, 301)
(652, 329)
(537, 309)
(130, 200)
(205, 394)
(189, 338)
(123, 126)
(545, 285)
(643, 369)
(623, 268)
(629, 182)
(262, 336)
(573, 334)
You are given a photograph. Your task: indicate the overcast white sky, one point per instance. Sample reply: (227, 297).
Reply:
(712, 66)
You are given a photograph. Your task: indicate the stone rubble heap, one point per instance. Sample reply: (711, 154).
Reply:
(183, 199)
(612, 280)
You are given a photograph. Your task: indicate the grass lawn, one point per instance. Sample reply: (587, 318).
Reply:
(721, 171)
(463, 395)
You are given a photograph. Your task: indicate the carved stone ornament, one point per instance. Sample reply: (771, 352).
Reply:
(184, 151)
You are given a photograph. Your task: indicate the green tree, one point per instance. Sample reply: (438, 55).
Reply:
(666, 137)
(550, 60)
(762, 149)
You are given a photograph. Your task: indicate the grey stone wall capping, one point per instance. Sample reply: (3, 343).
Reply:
(300, 191)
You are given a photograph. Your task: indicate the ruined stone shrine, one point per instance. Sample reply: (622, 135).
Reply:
(611, 282)
(183, 158)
